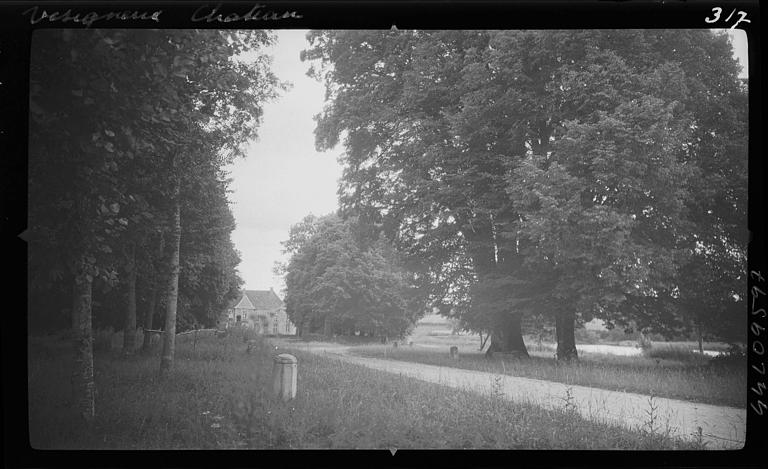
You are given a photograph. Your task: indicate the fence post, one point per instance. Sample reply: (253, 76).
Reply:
(284, 376)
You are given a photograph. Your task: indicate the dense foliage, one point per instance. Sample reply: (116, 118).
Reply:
(130, 131)
(557, 174)
(339, 282)
(110, 111)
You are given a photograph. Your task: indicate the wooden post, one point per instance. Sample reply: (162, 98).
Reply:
(284, 376)
(454, 351)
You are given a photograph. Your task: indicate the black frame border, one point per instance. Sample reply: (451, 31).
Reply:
(15, 39)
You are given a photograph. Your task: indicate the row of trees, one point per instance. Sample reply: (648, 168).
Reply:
(563, 175)
(130, 132)
(341, 281)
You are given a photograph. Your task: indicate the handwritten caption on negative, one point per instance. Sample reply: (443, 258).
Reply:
(717, 13)
(258, 12)
(87, 19)
(757, 345)
(205, 13)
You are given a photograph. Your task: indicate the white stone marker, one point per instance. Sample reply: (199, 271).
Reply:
(284, 374)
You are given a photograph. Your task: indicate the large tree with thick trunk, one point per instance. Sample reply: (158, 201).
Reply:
(638, 200)
(438, 197)
(458, 145)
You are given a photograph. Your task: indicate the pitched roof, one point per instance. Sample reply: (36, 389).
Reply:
(264, 299)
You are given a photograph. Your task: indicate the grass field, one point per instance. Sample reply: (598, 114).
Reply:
(219, 397)
(668, 370)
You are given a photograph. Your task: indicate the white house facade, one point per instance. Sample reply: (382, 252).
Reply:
(261, 310)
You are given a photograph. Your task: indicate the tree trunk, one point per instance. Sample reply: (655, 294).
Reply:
(75, 303)
(149, 317)
(129, 330)
(169, 335)
(566, 336)
(701, 340)
(85, 387)
(327, 327)
(507, 337)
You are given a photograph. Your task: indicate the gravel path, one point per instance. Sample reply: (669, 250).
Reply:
(721, 427)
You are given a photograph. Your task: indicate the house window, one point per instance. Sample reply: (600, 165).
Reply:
(274, 327)
(238, 318)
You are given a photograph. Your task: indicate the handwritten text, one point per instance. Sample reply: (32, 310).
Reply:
(256, 13)
(87, 19)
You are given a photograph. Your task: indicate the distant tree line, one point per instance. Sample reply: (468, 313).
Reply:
(130, 132)
(339, 281)
(558, 175)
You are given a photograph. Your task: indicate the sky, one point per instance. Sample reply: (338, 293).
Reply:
(284, 178)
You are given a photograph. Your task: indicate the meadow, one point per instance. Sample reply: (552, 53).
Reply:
(669, 370)
(219, 397)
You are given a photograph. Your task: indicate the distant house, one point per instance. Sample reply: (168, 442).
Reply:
(261, 310)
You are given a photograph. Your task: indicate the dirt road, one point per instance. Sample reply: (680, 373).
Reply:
(719, 426)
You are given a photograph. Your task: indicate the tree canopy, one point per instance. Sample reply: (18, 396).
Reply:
(130, 131)
(341, 283)
(571, 173)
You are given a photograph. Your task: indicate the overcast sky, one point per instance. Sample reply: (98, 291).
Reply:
(283, 178)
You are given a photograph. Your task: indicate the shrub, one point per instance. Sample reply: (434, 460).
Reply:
(669, 352)
(587, 336)
(736, 355)
(644, 342)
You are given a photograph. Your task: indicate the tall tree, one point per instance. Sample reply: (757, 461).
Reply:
(406, 172)
(73, 196)
(110, 129)
(439, 126)
(340, 282)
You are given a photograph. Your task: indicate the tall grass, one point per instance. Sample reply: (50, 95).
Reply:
(673, 352)
(219, 396)
(697, 379)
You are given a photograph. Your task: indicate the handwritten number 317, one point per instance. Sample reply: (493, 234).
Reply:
(718, 11)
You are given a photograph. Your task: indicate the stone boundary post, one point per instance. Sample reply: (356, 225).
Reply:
(284, 376)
